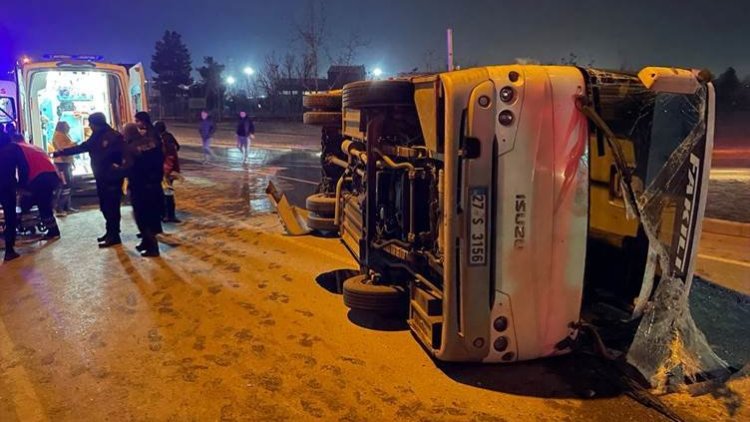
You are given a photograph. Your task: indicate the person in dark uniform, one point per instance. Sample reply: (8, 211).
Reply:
(11, 163)
(142, 164)
(147, 129)
(39, 187)
(105, 147)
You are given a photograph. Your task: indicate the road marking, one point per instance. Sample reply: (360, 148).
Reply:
(738, 174)
(725, 260)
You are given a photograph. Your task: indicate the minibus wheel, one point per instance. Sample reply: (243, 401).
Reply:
(321, 204)
(322, 118)
(323, 101)
(322, 224)
(364, 94)
(361, 294)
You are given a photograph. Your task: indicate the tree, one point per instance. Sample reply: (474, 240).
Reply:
(312, 34)
(290, 65)
(172, 65)
(350, 49)
(213, 82)
(728, 90)
(269, 79)
(574, 60)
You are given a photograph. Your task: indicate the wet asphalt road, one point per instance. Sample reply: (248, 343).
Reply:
(231, 324)
(234, 323)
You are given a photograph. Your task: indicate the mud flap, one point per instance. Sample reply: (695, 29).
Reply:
(293, 218)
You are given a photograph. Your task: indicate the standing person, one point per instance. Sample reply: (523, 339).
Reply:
(142, 164)
(245, 130)
(170, 146)
(61, 141)
(40, 185)
(12, 163)
(207, 129)
(145, 126)
(147, 129)
(10, 129)
(105, 147)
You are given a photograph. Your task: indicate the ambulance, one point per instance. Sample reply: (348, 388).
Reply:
(69, 88)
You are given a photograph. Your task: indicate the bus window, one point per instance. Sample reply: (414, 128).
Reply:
(7, 110)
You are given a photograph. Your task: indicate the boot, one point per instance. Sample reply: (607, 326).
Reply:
(52, 233)
(101, 239)
(169, 208)
(10, 255)
(111, 241)
(150, 253)
(150, 246)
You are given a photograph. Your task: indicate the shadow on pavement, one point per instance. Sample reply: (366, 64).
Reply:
(374, 321)
(569, 376)
(333, 281)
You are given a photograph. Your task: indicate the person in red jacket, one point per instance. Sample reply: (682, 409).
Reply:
(39, 187)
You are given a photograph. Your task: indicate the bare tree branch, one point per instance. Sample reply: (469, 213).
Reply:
(312, 34)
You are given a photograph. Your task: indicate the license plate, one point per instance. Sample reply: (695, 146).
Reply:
(478, 241)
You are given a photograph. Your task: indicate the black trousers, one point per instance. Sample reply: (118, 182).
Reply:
(110, 198)
(41, 192)
(147, 203)
(8, 202)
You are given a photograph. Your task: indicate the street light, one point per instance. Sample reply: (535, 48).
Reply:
(249, 71)
(377, 72)
(231, 80)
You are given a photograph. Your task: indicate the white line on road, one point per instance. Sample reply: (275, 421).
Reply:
(725, 260)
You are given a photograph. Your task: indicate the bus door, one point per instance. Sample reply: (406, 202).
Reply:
(137, 89)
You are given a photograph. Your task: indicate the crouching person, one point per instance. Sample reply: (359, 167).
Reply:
(40, 186)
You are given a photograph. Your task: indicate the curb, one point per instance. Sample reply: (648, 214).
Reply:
(729, 228)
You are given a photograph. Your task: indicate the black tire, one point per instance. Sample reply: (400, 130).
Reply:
(321, 224)
(360, 294)
(322, 101)
(322, 118)
(321, 204)
(366, 94)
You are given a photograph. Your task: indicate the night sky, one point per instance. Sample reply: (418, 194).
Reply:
(685, 33)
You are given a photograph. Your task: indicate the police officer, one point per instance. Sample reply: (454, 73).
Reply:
(143, 165)
(148, 130)
(11, 163)
(105, 147)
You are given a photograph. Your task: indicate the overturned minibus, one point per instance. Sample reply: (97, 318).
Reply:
(502, 207)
